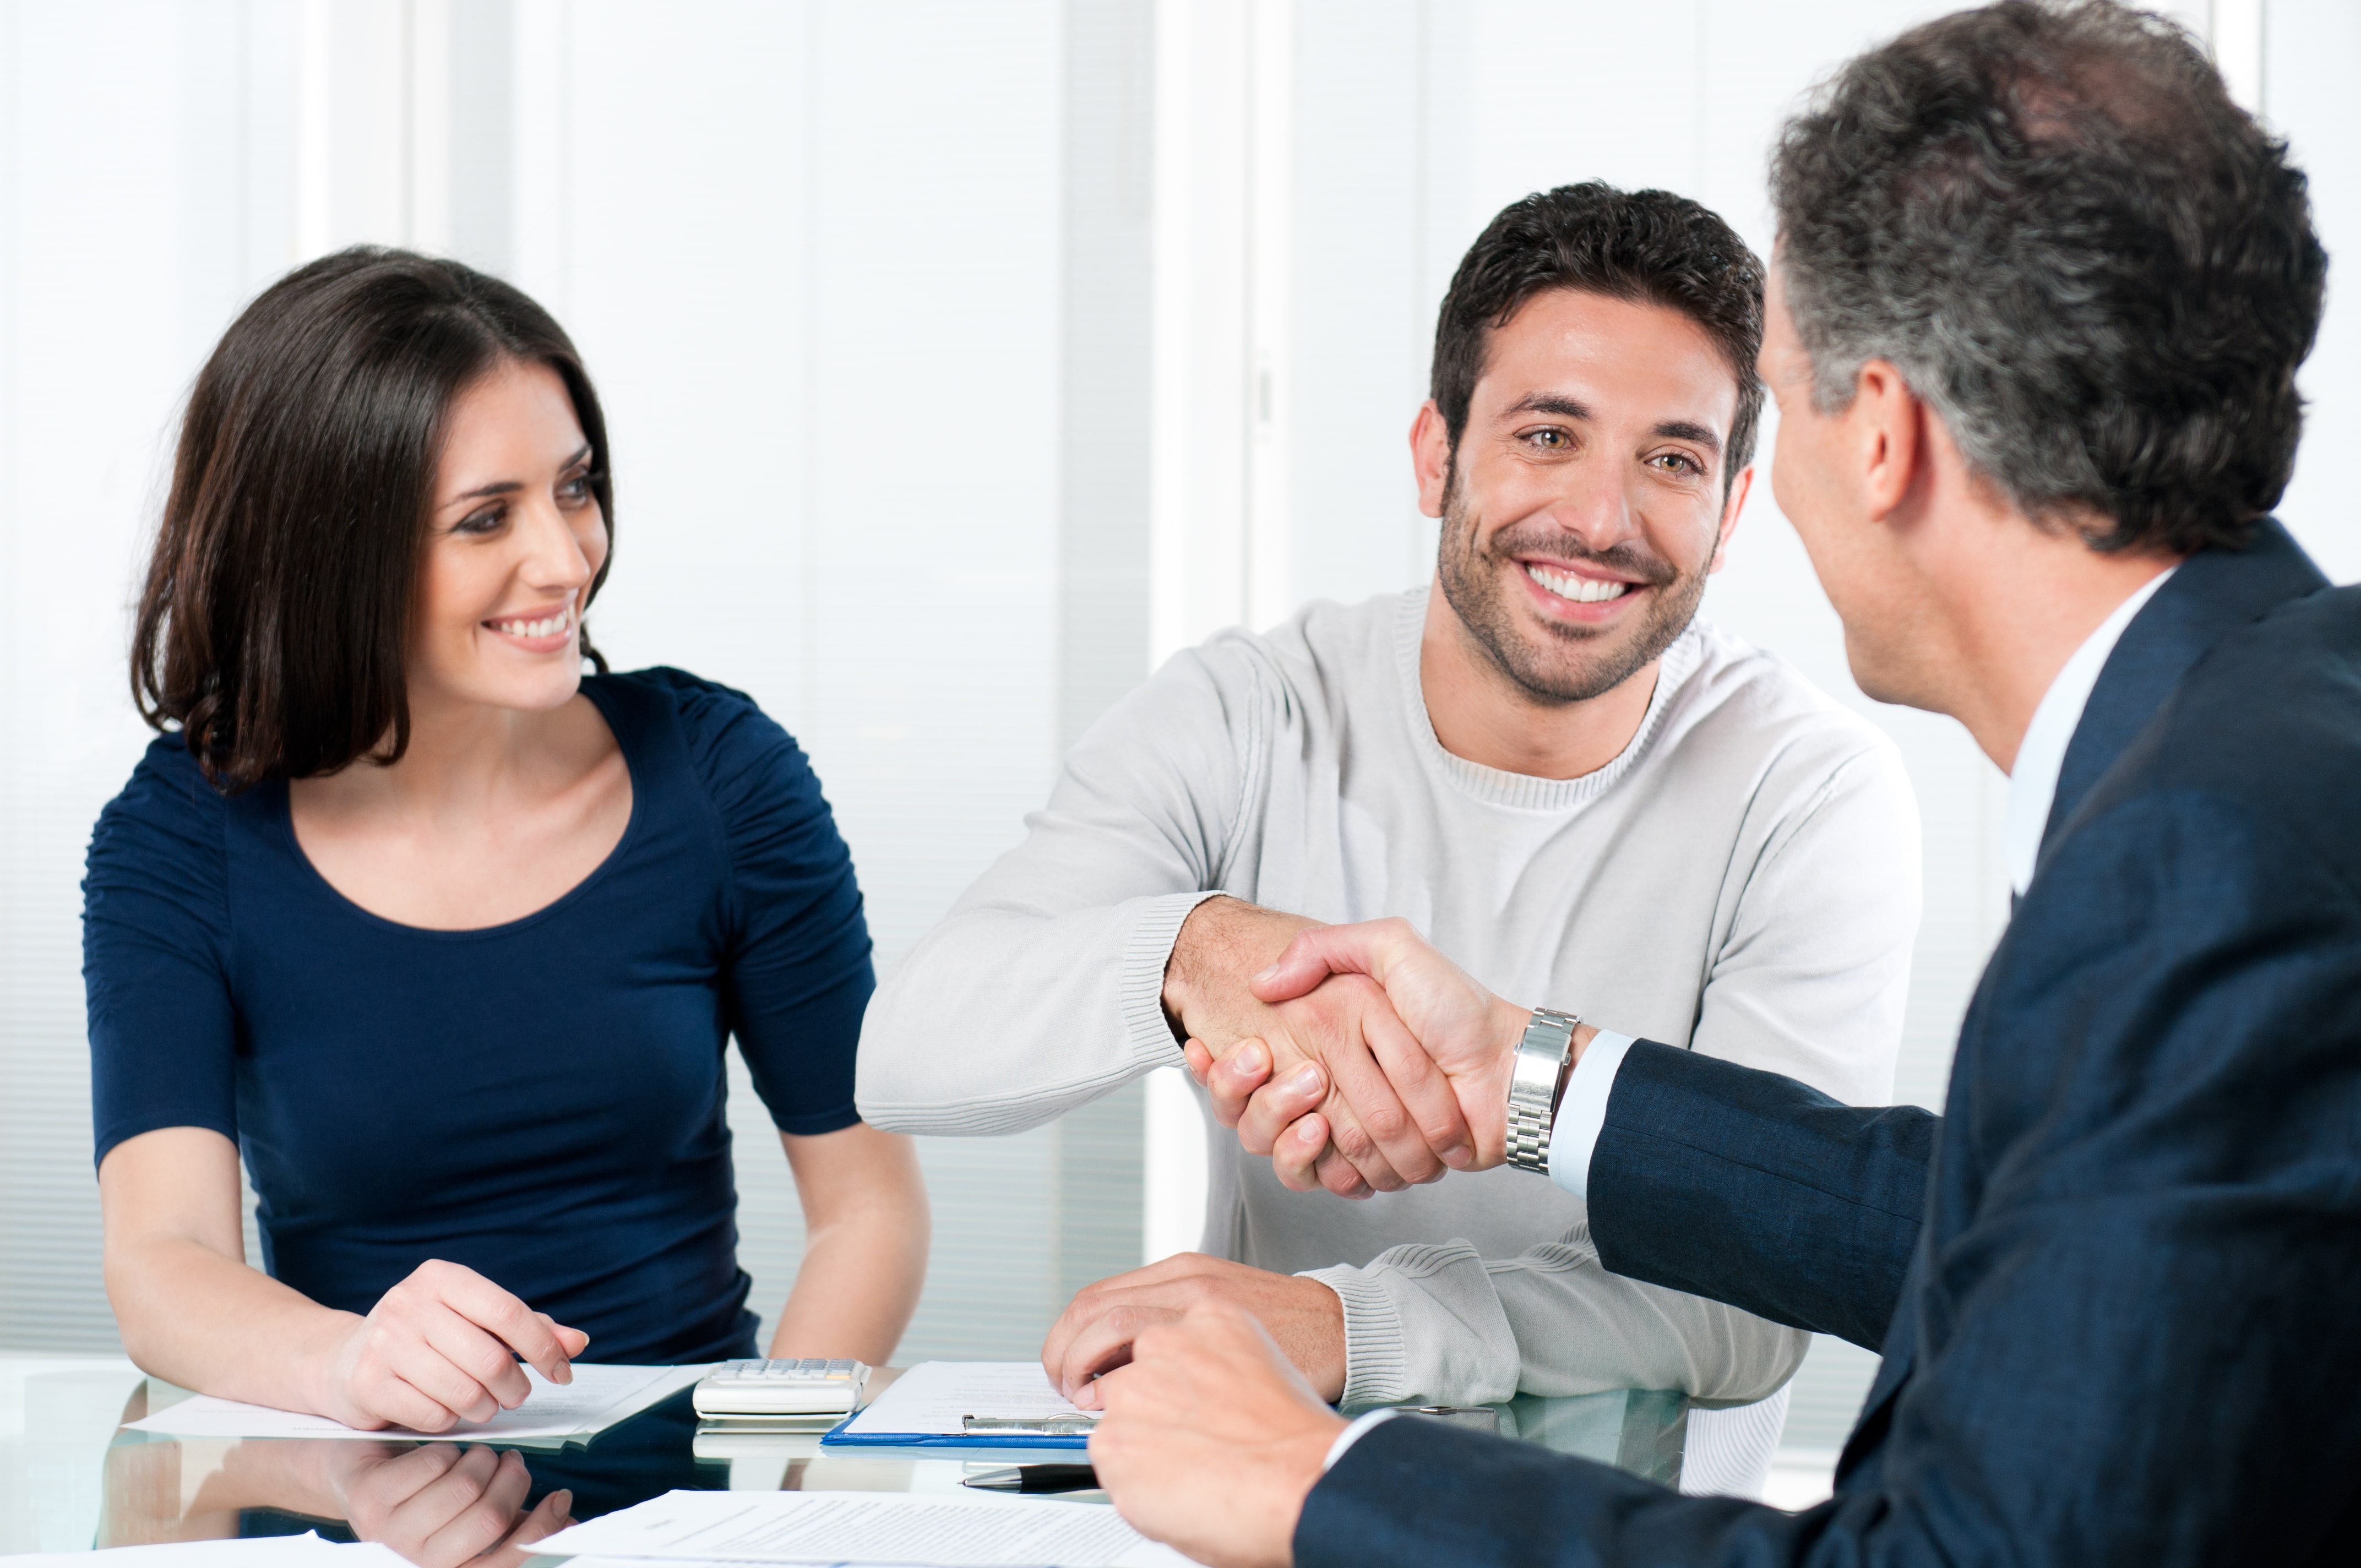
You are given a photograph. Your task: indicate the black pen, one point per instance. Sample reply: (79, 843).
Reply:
(1036, 1478)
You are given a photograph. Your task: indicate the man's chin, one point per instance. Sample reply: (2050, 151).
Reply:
(1549, 671)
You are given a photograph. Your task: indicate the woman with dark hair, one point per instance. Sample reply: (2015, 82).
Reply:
(445, 937)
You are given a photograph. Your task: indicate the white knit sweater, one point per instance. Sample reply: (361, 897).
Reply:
(1742, 881)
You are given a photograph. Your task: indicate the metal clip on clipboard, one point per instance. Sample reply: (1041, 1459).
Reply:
(1050, 1426)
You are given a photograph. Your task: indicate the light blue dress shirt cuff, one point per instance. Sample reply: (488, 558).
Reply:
(1582, 1113)
(1353, 1434)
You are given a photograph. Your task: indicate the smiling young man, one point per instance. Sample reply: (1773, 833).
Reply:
(1544, 761)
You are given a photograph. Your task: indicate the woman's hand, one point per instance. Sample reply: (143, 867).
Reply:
(441, 1505)
(440, 1348)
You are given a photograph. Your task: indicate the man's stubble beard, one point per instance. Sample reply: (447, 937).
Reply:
(1579, 664)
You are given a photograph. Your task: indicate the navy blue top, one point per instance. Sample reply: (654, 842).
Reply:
(540, 1101)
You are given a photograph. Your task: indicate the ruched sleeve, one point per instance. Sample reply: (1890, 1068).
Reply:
(155, 936)
(798, 975)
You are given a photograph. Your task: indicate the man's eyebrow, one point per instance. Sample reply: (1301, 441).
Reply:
(1556, 403)
(1682, 430)
(509, 487)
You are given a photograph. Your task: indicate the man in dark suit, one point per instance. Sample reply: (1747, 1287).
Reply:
(2038, 301)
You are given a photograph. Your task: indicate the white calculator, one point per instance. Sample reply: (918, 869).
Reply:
(741, 1393)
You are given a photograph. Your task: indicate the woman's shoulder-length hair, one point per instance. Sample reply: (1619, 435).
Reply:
(274, 624)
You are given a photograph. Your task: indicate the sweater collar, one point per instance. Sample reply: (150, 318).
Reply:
(1524, 791)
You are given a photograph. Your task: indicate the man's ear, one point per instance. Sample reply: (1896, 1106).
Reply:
(1888, 437)
(1430, 457)
(1729, 510)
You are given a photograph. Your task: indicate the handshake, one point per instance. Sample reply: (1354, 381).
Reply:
(1360, 1060)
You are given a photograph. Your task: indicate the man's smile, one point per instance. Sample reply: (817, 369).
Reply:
(1576, 589)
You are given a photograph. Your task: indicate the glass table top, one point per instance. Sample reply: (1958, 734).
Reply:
(70, 1479)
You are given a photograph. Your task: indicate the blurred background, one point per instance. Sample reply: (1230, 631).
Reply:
(963, 358)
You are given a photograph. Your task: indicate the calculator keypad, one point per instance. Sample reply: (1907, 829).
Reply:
(813, 1385)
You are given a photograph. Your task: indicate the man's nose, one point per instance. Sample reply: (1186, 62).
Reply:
(1596, 509)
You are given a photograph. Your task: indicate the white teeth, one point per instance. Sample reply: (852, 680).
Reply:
(548, 626)
(1582, 590)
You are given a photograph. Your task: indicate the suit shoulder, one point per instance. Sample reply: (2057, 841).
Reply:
(2266, 726)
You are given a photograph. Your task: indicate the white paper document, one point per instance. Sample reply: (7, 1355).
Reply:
(305, 1551)
(598, 1396)
(863, 1527)
(935, 1397)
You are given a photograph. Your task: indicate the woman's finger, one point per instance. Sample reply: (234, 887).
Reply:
(530, 1334)
(430, 1509)
(548, 1517)
(388, 1394)
(414, 1362)
(479, 1525)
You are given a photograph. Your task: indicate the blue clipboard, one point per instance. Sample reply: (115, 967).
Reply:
(836, 1437)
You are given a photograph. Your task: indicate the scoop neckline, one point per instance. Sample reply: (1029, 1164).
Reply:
(286, 812)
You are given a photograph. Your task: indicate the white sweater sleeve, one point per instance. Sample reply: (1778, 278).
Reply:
(1809, 981)
(1042, 989)
(1436, 1324)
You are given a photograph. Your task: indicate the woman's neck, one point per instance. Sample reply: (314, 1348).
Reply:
(463, 757)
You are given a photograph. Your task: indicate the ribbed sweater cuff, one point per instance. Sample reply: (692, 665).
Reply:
(1140, 986)
(1376, 1366)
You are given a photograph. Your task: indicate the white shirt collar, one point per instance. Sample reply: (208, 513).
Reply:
(2033, 783)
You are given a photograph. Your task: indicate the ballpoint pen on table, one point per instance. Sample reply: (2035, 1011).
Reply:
(1035, 1478)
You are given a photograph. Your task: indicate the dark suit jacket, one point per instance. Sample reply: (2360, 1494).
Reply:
(2117, 1286)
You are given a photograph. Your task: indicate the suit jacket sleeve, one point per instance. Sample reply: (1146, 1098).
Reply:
(1755, 1190)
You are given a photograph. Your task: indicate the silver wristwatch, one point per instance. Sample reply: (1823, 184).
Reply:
(1532, 1086)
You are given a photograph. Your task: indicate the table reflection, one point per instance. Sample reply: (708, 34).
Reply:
(441, 1505)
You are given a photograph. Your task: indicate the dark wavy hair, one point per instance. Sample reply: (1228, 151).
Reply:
(2098, 270)
(1649, 247)
(274, 627)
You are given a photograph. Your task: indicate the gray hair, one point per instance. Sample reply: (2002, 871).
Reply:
(2098, 270)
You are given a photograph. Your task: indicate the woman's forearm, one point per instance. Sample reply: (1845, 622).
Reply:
(865, 1228)
(189, 1310)
(193, 1316)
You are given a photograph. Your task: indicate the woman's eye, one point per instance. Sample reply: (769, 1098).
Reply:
(483, 522)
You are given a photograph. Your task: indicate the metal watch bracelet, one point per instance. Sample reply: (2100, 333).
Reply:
(1532, 1086)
